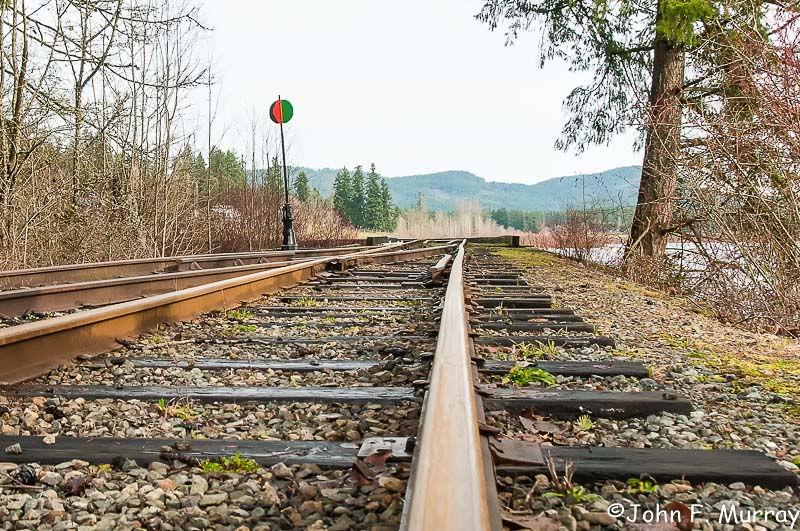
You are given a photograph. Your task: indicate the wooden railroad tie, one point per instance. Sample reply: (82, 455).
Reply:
(343, 395)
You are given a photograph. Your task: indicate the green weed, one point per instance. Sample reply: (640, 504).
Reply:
(98, 469)
(307, 301)
(522, 376)
(235, 463)
(169, 410)
(584, 423)
(639, 486)
(239, 313)
(245, 328)
(536, 350)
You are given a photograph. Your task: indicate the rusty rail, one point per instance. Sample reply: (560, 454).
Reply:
(42, 276)
(447, 489)
(29, 350)
(61, 297)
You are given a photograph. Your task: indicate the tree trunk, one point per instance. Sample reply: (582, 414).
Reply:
(654, 207)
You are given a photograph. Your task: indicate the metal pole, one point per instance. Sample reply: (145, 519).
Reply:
(289, 240)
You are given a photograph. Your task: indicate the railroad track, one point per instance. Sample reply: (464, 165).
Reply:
(64, 274)
(368, 390)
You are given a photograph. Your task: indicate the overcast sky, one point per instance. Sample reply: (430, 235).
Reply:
(415, 86)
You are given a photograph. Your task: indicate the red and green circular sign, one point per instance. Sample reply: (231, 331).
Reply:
(281, 111)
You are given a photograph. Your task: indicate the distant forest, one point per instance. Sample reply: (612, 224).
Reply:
(613, 219)
(364, 202)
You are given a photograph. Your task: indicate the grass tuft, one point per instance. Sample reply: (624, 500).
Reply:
(235, 463)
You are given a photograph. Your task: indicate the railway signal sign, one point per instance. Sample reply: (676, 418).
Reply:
(281, 111)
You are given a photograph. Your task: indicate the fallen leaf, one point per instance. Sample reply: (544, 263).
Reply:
(360, 474)
(379, 458)
(75, 485)
(685, 523)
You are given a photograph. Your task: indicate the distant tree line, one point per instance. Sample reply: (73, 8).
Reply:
(365, 203)
(615, 218)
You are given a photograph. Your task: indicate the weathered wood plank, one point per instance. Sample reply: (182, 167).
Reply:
(536, 312)
(517, 301)
(389, 279)
(533, 327)
(259, 364)
(606, 404)
(266, 340)
(561, 341)
(484, 276)
(500, 281)
(495, 291)
(349, 395)
(267, 310)
(314, 324)
(698, 466)
(513, 317)
(354, 285)
(574, 368)
(335, 315)
(343, 298)
(103, 450)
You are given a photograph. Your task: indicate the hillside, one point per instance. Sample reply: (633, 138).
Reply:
(443, 190)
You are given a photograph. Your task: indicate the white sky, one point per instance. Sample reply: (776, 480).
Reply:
(415, 86)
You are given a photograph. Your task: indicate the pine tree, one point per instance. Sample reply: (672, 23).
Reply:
(342, 192)
(387, 209)
(301, 187)
(357, 198)
(226, 170)
(373, 218)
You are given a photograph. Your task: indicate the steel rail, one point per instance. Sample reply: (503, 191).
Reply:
(30, 349)
(447, 490)
(61, 297)
(40, 276)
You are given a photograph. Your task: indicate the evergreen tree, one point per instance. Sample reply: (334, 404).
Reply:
(621, 43)
(301, 187)
(226, 172)
(373, 218)
(357, 199)
(387, 209)
(342, 193)
(274, 176)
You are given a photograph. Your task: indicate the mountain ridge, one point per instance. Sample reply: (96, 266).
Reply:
(444, 190)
